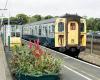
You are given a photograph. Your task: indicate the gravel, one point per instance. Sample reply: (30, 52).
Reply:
(92, 58)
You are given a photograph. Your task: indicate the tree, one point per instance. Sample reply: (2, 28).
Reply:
(13, 21)
(48, 17)
(33, 19)
(37, 17)
(5, 21)
(97, 24)
(22, 19)
(90, 24)
(93, 24)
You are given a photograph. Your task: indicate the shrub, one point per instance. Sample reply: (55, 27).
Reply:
(32, 60)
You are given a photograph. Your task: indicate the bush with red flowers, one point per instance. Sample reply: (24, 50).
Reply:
(32, 60)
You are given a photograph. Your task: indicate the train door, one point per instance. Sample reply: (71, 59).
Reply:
(60, 33)
(73, 33)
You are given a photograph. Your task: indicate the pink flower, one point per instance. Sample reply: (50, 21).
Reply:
(30, 44)
(37, 50)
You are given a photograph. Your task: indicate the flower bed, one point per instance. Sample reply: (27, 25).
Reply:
(30, 62)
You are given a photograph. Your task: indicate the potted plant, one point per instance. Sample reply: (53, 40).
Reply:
(30, 62)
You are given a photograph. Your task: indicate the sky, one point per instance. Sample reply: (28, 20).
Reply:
(90, 8)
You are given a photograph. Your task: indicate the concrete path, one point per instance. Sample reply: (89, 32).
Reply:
(74, 69)
(4, 70)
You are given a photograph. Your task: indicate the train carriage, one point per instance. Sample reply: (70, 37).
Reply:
(11, 35)
(66, 33)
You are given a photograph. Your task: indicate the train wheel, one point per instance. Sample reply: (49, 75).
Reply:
(74, 52)
(77, 53)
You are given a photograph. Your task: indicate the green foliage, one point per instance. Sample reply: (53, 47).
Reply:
(48, 17)
(22, 19)
(5, 21)
(24, 61)
(13, 21)
(93, 24)
(36, 18)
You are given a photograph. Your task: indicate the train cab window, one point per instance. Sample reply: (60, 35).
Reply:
(82, 27)
(17, 34)
(60, 26)
(73, 26)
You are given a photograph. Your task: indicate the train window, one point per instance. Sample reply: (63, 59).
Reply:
(12, 34)
(60, 26)
(13, 28)
(39, 30)
(46, 31)
(82, 27)
(17, 34)
(97, 37)
(35, 29)
(72, 26)
(43, 30)
(49, 29)
(53, 28)
(32, 31)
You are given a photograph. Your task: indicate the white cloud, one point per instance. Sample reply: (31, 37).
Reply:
(54, 7)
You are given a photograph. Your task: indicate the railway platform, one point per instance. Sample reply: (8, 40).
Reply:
(72, 68)
(4, 70)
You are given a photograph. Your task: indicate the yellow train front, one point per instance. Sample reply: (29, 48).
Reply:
(70, 34)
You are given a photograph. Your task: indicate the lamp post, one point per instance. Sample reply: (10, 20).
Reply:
(1, 19)
(2, 15)
(1, 25)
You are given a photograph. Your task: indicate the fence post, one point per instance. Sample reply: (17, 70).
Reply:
(91, 43)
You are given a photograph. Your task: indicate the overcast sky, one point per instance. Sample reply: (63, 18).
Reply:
(90, 8)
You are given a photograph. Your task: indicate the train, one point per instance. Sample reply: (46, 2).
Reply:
(11, 35)
(65, 33)
(93, 39)
(95, 36)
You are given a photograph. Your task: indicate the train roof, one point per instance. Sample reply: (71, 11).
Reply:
(52, 20)
(71, 16)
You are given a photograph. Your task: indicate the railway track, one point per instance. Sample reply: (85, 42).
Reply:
(96, 45)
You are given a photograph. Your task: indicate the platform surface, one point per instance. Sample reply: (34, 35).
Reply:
(4, 70)
(74, 69)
